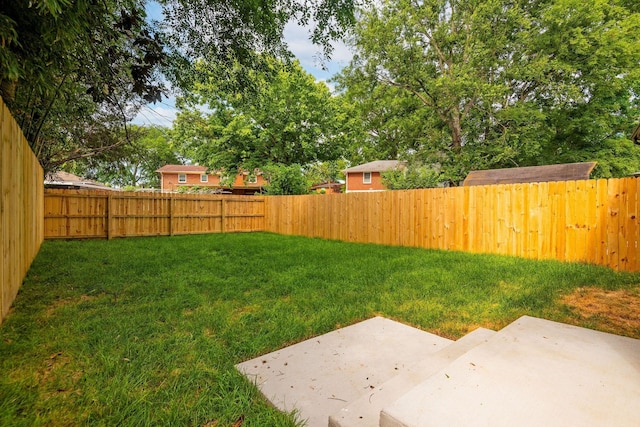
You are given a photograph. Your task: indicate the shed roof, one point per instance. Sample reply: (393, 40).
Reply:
(561, 172)
(377, 166)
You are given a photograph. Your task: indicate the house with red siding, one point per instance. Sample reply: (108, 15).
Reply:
(368, 176)
(173, 177)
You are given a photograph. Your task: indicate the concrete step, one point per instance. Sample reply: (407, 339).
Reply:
(319, 376)
(534, 372)
(365, 410)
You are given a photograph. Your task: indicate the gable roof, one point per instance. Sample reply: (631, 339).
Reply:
(377, 166)
(561, 172)
(182, 169)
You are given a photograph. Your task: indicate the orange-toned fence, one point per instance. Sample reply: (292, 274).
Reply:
(72, 214)
(586, 221)
(21, 195)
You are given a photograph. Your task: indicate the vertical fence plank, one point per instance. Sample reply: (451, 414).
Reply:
(633, 224)
(613, 222)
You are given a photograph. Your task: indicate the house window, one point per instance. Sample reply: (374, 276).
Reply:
(366, 177)
(204, 178)
(252, 179)
(182, 178)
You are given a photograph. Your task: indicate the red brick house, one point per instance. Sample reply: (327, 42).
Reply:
(173, 177)
(368, 176)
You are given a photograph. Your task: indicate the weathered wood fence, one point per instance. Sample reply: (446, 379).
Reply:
(21, 203)
(71, 214)
(586, 221)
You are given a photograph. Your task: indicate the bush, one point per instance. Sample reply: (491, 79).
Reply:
(285, 179)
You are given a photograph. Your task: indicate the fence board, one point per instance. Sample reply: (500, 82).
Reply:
(97, 214)
(21, 208)
(585, 221)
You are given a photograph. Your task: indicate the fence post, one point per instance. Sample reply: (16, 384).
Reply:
(109, 209)
(223, 217)
(171, 203)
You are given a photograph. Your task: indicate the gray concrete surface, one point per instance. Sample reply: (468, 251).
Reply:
(319, 376)
(365, 410)
(532, 373)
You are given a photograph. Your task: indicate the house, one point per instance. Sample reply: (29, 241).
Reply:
(70, 181)
(172, 177)
(368, 176)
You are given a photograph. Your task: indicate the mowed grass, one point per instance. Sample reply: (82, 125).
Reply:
(146, 331)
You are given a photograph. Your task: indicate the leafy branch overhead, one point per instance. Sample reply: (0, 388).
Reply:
(72, 72)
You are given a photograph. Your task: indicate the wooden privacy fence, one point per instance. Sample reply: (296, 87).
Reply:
(21, 203)
(586, 221)
(71, 214)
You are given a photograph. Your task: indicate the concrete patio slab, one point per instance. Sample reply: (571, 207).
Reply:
(319, 376)
(365, 411)
(534, 372)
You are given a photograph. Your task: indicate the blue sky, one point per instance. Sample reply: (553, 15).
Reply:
(309, 55)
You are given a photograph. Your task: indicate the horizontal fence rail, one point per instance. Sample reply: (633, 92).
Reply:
(584, 221)
(77, 214)
(21, 204)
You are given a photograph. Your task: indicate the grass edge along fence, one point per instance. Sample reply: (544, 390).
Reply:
(592, 221)
(21, 208)
(77, 214)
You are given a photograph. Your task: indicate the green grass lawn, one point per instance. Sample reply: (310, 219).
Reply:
(146, 331)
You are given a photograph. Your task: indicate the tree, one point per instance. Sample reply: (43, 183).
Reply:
(413, 175)
(134, 164)
(285, 180)
(496, 83)
(290, 119)
(330, 171)
(72, 72)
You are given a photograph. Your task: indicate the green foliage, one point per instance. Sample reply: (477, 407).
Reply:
(290, 119)
(330, 171)
(131, 164)
(228, 34)
(412, 176)
(495, 83)
(197, 189)
(74, 73)
(285, 179)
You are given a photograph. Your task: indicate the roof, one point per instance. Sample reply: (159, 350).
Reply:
(377, 166)
(182, 169)
(66, 179)
(561, 172)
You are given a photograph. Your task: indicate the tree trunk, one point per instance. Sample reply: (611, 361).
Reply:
(456, 132)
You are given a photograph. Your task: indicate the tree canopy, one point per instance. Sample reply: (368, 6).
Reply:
(482, 84)
(74, 73)
(289, 119)
(133, 164)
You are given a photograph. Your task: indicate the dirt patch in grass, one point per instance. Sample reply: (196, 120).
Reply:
(612, 311)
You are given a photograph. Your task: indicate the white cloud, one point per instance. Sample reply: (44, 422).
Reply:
(310, 55)
(162, 114)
